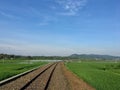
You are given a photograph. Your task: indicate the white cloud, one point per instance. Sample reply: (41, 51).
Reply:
(35, 49)
(6, 15)
(34, 11)
(9, 15)
(46, 20)
(71, 6)
(70, 13)
(53, 7)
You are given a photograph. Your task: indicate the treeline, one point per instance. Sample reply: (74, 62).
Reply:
(71, 57)
(18, 57)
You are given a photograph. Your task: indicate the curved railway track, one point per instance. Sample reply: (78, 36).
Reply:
(36, 80)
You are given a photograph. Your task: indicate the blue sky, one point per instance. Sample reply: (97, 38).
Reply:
(60, 27)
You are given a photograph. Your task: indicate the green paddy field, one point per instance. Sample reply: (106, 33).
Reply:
(10, 68)
(100, 75)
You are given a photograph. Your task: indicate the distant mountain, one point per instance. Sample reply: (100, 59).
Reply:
(94, 56)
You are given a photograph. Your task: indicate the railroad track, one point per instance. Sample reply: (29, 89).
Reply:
(36, 80)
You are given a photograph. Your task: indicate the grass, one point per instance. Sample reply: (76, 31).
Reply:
(100, 75)
(9, 68)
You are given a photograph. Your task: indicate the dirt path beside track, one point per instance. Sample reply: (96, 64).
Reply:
(75, 82)
(49, 77)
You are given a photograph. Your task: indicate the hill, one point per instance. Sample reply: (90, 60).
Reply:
(94, 56)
